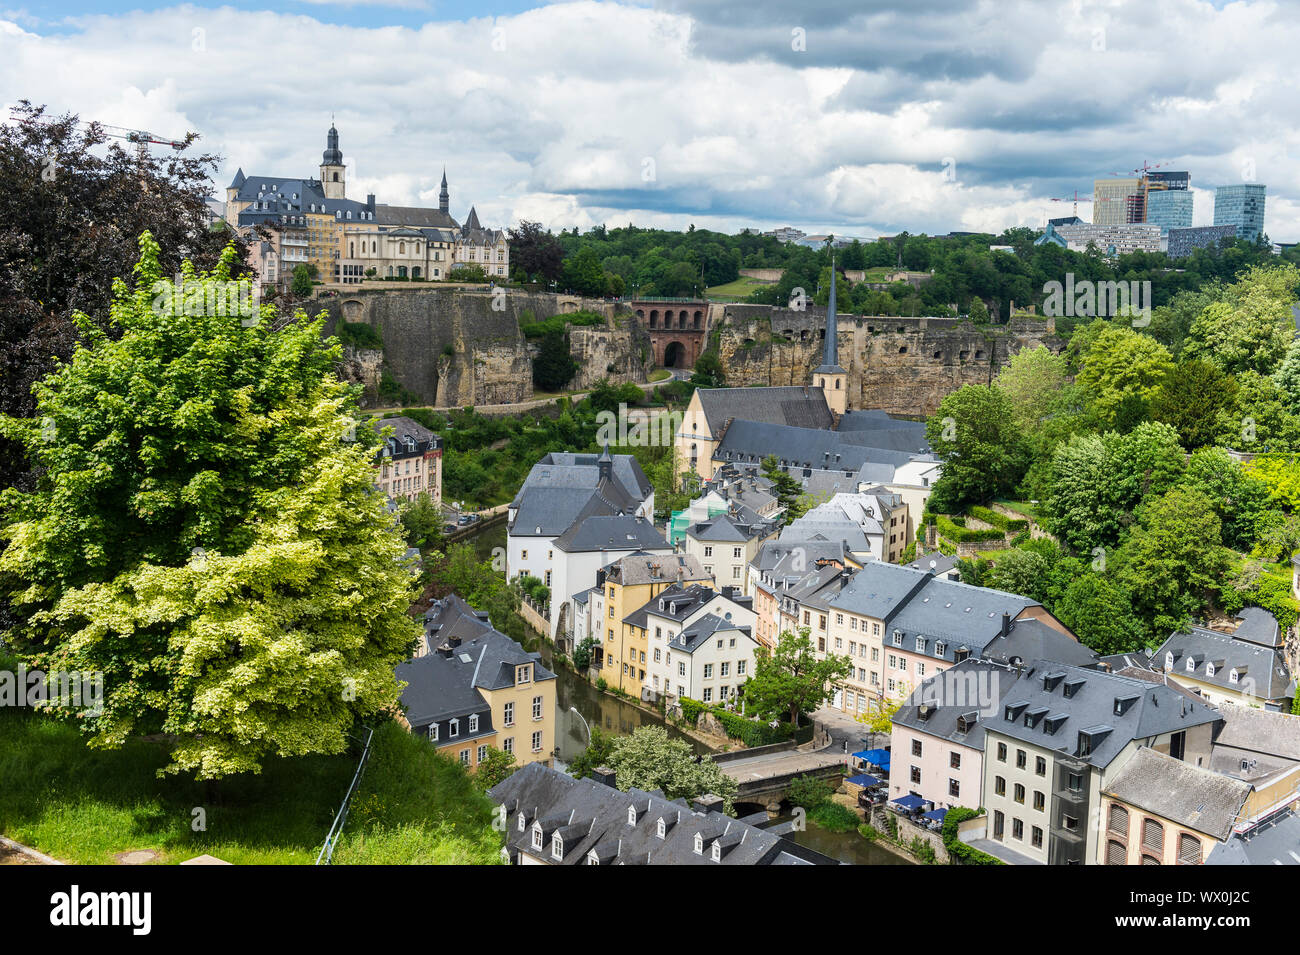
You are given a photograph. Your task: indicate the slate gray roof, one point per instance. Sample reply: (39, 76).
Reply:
(652, 568)
(594, 817)
(780, 559)
(728, 528)
(956, 615)
(446, 684)
(689, 640)
(806, 449)
(936, 563)
(845, 531)
(414, 216)
(611, 532)
(563, 486)
(1120, 661)
(677, 601)
(1032, 639)
(1276, 841)
(803, 407)
(1259, 662)
(403, 428)
(1197, 798)
(879, 589)
(1112, 710)
(943, 705)
(1263, 732)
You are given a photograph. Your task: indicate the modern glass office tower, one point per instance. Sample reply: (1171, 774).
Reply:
(1169, 209)
(1241, 206)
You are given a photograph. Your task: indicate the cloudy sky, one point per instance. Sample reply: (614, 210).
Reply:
(859, 117)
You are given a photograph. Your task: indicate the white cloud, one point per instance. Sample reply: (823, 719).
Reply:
(554, 113)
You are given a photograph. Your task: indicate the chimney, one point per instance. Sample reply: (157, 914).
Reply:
(708, 802)
(445, 650)
(453, 641)
(1006, 623)
(604, 775)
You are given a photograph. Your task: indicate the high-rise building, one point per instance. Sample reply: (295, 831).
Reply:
(1169, 209)
(1115, 201)
(1241, 206)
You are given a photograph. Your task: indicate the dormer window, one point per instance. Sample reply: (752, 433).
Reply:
(557, 847)
(592, 858)
(473, 723)
(537, 836)
(521, 822)
(1233, 675)
(661, 828)
(631, 815)
(699, 844)
(898, 638)
(1191, 664)
(1169, 659)
(715, 852)
(1209, 669)
(939, 648)
(920, 644)
(523, 674)
(433, 732)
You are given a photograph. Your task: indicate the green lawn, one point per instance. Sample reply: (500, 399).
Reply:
(86, 806)
(659, 374)
(740, 288)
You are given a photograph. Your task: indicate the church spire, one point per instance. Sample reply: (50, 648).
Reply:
(444, 197)
(832, 344)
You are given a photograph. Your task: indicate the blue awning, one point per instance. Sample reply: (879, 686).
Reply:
(863, 780)
(876, 757)
(909, 802)
(936, 814)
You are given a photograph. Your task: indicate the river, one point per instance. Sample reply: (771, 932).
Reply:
(612, 715)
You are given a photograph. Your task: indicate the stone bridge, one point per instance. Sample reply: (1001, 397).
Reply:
(764, 773)
(678, 328)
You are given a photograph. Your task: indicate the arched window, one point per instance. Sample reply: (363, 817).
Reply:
(401, 248)
(1153, 836)
(1189, 849)
(1118, 822)
(1116, 854)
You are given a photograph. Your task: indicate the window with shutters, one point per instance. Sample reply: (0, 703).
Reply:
(1153, 836)
(1118, 823)
(1189, 849)
(1116, 854)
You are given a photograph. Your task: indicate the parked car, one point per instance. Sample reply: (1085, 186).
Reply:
(467, 519)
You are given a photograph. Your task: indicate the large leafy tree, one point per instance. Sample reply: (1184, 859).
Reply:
(535, 252)
(1192, 399)
(1121, 371)
(1174, 561)
(649, 759)
(72, 207)
(205, 534)
(1096, 607)
(1252, 327)
(975, 434)
(790, 680)
(1031, 382)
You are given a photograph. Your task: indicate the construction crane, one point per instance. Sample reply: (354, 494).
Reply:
(141, 137)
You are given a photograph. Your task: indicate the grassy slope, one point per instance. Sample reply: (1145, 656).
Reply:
(85, 806)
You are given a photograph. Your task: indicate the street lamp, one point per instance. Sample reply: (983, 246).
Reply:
(574, 710)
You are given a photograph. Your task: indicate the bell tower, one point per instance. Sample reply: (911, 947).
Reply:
(333, 174)
(829, 376)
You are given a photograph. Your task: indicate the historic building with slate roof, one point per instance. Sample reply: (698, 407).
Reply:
(471, 687)
(1246, 667)
(311, 221)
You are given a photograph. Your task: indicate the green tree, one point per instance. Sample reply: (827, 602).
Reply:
(809, 792)
(974, 433)
(583, 652)
(1174, 560)
(1096, 608)
(301, 284)
(204, 535)
(1031, 381)
(1252, 327)
(979, 312)
(786, 488)
(790, 680)
(707, 372)
(1240, 498)
(1287, 377)
(1019, 571)
(554, 366)
(1192, 399)
(1121, 371)
(495, 767)
(649, 759)
(422, 521)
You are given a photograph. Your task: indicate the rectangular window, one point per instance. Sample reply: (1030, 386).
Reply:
(537, 742)
(537, 708)
(508, 744)
(508, 717)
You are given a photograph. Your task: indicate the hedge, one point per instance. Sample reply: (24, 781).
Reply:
(951, 530)
(1000, 521)
(750, 732)
(959, 853)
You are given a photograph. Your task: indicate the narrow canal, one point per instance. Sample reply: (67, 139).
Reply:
(597, 709)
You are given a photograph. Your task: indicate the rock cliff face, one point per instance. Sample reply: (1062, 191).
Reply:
(902, 365)
(455, 347)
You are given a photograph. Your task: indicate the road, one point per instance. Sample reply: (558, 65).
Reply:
(750, 769)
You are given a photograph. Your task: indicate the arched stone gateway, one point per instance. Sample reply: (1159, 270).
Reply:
(675, 355)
